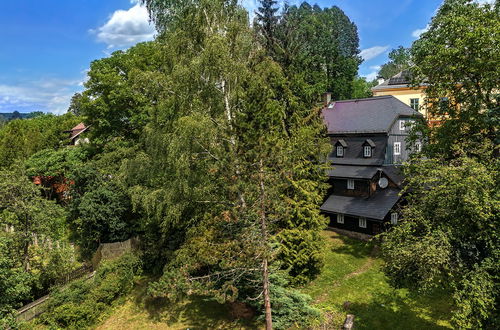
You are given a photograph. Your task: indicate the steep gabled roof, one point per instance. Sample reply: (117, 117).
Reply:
(78, 127)
(370, 115)
(77, 130)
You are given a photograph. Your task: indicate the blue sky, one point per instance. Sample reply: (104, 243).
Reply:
(47, 46)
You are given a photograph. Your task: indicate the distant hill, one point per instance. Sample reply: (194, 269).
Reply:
(7, 116)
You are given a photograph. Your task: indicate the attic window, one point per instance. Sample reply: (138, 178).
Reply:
(368, 145)
(340, 151)
(402, 125)
(339, 147)
(367, 151)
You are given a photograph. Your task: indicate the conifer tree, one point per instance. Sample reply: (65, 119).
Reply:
(266, 22)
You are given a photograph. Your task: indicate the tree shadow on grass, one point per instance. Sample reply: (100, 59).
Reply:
(195, 312)
(393, 311)
(350, 246)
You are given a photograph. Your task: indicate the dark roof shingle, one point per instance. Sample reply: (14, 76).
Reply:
(375, 207)
(371, 115)
(346, 171)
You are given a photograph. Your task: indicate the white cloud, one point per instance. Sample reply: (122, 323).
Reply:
(372, 75)
(375, 67)
(418, 32)
(48, 95)
(483, 2)
(126, 27)
(369, 53)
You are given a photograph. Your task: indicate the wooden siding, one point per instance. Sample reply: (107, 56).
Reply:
(361, 188)
(397, 135)
(352, 224)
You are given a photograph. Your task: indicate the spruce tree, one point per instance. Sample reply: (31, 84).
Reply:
(266, 22)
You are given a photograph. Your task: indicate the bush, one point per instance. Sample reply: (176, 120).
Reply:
(290, 308)
(81, 304)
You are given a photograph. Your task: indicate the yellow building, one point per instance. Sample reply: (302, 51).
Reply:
(399, 87)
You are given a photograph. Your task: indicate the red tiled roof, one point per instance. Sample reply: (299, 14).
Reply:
(78, 127)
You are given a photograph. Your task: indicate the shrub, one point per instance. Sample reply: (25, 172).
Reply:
(80, 304)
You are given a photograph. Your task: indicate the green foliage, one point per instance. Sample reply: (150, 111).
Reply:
(23, 207)
(318, 50)
(20, 139)
(458, 60)
(291, 309)
(27, 269)
(265, 23)
(56, 163)
(449, 236)
(362, 88)
(15, 283)
(101, 214)
(82, 303)
(117, 97)
(399, 60)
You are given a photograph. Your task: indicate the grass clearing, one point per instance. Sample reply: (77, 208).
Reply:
(137, 311)
(353, 273)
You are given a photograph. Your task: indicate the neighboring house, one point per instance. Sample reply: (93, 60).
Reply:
(400, 87)
(368, 139)
(76, 134)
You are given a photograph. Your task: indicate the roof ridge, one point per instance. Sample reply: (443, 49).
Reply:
(365, 99)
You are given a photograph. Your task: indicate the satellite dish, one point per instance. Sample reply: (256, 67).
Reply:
(383, 182)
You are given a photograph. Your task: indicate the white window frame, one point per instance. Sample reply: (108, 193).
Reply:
(362, 222)
(340, 151)
(418, 146)
(350, 184)
(412, 103)
(394, 218)
(397, 148)
(340, 218)
(402, 125)
(367, 151)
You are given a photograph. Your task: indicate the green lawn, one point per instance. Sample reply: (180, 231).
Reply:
(138, 311)
(352, 272)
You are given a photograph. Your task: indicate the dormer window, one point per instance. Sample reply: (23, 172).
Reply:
(339, 148)
(340, 151)
(367, 151)
(368, 147)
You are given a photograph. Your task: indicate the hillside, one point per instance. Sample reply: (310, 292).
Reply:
(352, 272)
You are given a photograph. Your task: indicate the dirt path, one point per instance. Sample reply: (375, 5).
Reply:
(364, 268)
(367, 265)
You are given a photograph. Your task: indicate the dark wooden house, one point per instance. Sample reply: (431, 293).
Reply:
(369, 142)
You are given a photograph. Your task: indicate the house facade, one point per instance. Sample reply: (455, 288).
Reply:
(400, 87)
(368, 138)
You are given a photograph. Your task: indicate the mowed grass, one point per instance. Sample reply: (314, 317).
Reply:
(353, 274)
